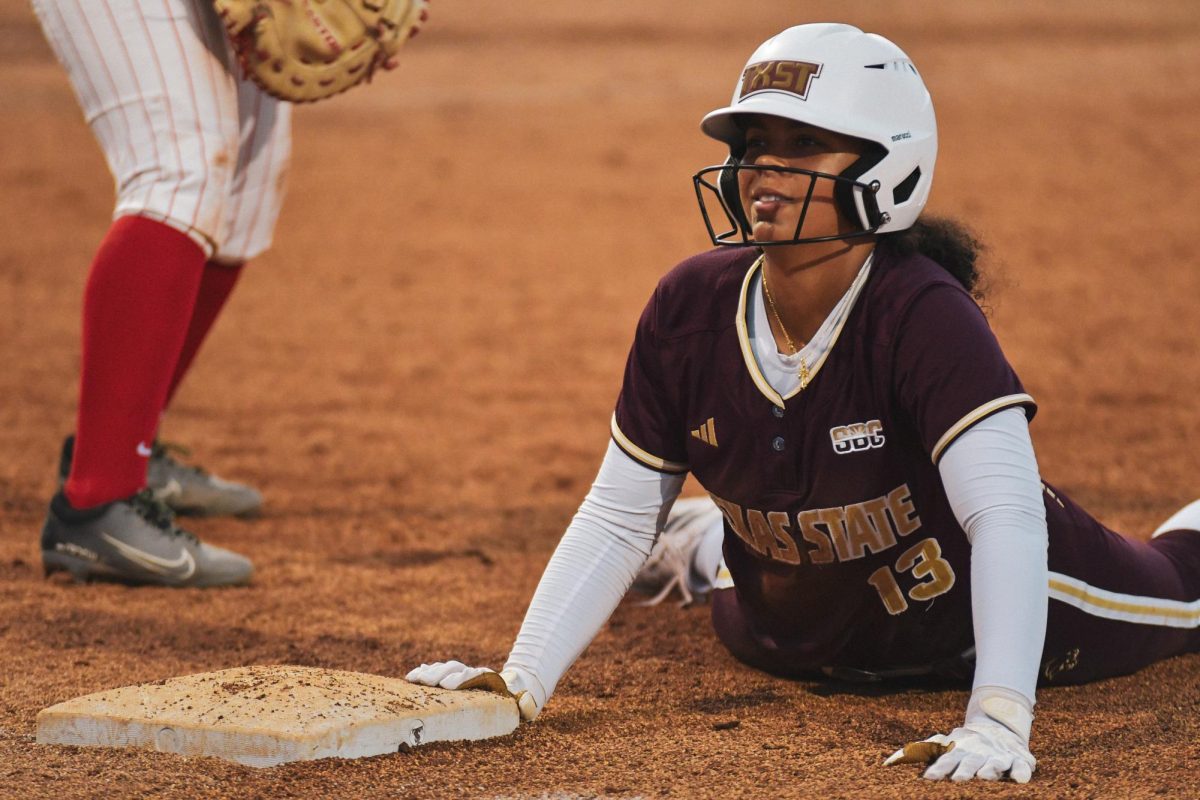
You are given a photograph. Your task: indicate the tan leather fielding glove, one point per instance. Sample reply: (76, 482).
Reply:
(306, 50)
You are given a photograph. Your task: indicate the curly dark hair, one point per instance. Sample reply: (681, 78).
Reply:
(947, 241)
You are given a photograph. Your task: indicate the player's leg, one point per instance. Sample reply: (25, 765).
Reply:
(256, 192)
(162, 108)
(1116, 604)
(130, 339)
(186, 488)
(734, 627)
(1178, 539)
(260, 178)
(255, 197)
(216, 284)
(687, 555)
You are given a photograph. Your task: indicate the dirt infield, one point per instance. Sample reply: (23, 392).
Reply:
(420, 377)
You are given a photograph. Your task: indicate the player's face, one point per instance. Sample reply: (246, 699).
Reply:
(773, 201)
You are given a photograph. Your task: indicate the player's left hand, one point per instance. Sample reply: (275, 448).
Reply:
(979, 749)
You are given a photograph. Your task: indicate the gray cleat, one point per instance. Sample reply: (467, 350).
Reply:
(134, 541)
(191, 490)
(186, 489)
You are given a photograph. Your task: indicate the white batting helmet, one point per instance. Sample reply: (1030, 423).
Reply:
(859, 84)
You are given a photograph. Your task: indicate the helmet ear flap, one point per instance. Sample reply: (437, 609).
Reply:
(731, 196)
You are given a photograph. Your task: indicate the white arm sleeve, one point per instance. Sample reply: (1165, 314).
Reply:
(990, 474)
(599, 555)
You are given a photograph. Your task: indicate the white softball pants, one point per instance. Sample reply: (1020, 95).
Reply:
(188, 140)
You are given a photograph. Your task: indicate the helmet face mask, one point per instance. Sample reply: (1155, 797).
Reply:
(837, 78)
(720, 183)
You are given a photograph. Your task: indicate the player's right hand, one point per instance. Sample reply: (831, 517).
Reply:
(457, 675)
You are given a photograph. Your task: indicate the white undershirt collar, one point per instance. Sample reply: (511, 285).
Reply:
(782, 370)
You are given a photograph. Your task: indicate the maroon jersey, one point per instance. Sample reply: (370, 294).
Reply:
(839, 537)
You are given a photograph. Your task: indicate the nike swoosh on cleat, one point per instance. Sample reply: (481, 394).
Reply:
(180, 568)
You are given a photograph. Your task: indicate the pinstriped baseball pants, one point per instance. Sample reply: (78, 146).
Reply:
(188, 140)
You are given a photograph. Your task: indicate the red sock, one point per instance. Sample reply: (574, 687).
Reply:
(215, 286)
(136, 307)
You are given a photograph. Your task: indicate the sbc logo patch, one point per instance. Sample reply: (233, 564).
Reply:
(857, 436)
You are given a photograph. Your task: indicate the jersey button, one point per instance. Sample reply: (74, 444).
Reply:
(777, 411)
(777, 444)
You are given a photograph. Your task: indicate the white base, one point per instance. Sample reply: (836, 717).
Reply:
(267, 715)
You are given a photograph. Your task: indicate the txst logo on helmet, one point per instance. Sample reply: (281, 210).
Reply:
(793, 77)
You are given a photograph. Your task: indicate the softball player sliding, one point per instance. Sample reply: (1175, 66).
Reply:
(199, 157)
(876, 508)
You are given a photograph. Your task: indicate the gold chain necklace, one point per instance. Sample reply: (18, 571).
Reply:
(803, 372)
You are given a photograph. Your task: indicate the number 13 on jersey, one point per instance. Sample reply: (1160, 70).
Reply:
(924, 560)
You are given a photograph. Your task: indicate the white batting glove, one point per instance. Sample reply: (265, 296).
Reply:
(457, 675)
(992, 744)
